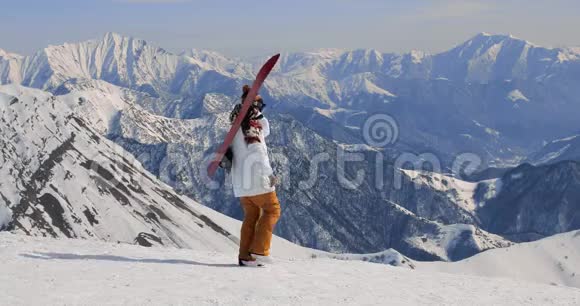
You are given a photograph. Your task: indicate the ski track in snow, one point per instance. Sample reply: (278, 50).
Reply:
(76, 272)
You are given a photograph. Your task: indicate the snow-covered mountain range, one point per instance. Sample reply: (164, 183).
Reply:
(111, 190)
(488, 96)
(525, 203)
(493, 80)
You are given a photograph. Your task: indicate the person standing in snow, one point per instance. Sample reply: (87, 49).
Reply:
(254, 183)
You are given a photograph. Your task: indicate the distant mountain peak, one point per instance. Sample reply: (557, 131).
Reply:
(114, 36)
(484, 37)
(116, 39)
(504, 35)
(417, 56)
(6, 54)
(203, 53)
(327, 52)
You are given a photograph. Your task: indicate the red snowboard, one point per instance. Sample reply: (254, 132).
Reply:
(260, 78)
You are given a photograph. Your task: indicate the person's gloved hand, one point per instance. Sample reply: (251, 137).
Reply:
(274, 180)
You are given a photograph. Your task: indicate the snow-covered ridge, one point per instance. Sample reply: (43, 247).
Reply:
(60, 178)
(120, 60)
(566, 139)
(129, 275)
(554, 260)
(8, 55)
(463, 192)
(569, 54)
(567, 148)
(134, 63)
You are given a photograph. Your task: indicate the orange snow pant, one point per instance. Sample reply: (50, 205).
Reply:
(261, 213)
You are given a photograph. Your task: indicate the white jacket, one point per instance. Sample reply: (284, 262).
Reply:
(251, 168)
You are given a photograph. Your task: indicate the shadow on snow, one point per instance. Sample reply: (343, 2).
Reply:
(65, 256)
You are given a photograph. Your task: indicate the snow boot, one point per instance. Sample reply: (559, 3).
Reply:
(262, 258)
(249, 263)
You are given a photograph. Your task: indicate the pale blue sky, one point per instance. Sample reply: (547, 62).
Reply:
(254, 27)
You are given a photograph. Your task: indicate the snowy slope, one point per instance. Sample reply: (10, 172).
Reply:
(554, 260)
(10, 67)
(50, 272)
(460, 191)
(526, 203)
(62, 179)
